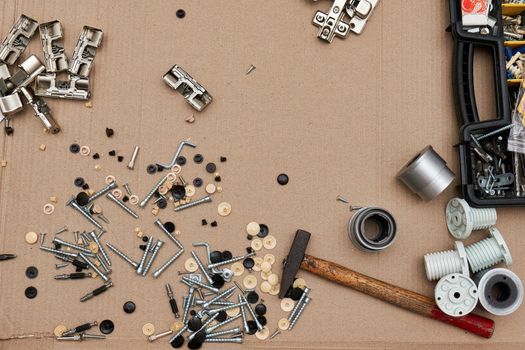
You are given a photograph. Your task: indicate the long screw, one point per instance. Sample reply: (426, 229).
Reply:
(178, 334)
(143, 259)
(103, 265)
(59, 252)
(94, 267)
(189, 282)
(254, 316)
(232, 260)
(224, 340)
(102, 191)
(170, 261)
(152, 192)
(199, 263)
(122, 205)
(168, 233)
(153, 256)
(492, 133)
(204, 325)
(298, 314)
(71, 245)
(227, 293)
(243, 314)
(223, 323)
(298, 305)
(225, 332)
(100, 248)
(72, 203)
(206, 199)
(122, 255)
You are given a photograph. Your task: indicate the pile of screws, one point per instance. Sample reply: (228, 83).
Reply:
(513, 27)
(515, 62)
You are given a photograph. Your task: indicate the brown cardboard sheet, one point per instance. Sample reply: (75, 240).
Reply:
(338, 119)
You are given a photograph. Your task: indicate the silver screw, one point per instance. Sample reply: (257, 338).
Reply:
(299, 303)
(250, 69)
(342, 199)
(71, 338)
(159, 335)
(225, 332)
(178, 334)
(153, 256)
(72, 203)
(167, 264)
(71, 245)
(187, 301)
(122, 255)
(206, 199)
(224, 340)
(189, 282)
(221, 303)
(42, 237)
(254, 316)
(126, 187)
(220, 324)
(143, 259)
(103, 218)
(226, 294)
(92, 336)
(100, 248)
(168, 233)
(134, 155)
(102, 191)
(298, 314)
(276, 333)
(94, 267)
(199, 263)
(492, 133)
(177, 153)
(61, 229)
(122, 205)
(244, 321)
(224, 308)
(59, 252)
(61, 265)
(204, 325)
(103, 265)
(232, 260)
(152, 192)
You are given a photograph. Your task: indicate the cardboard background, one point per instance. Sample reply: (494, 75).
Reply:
(338, 119)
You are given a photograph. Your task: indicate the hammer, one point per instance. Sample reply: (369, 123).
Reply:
(423, 305)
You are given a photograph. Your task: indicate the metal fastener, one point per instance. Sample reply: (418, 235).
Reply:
(72, 203)
(154, 337)
(59, 252)
(94, 267)
(204, 272)
(122, 255)
(153, 256)
(206, 199)
(61, 229)
(224, 340)
(71, 245)
(134, 155)
(170, 261)
(254, 316)
(220, 324)
(122, 205)
(168, 233)
(152, 192)
(232, 260)
(298, 305)
(128, 190)
(298, 314)
(189, 282)
(100, 248)
(225, 332)
(102, 191)
(144, 255)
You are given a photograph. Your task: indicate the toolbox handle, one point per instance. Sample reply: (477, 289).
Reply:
(464, 81)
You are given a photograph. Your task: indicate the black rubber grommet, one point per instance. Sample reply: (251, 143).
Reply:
(30, 292)
(198, 158)
(178, 192)
(180, 13)
(194, 324)
(282, 179)
(296, 294)
(169, 226)
(181, 160)
(31, 272)
(263, 231)
(151, 169)
(79, 182)
(129, 307)
(177, 342)
(74, 148)
(215, 256)
(218, 281)
(82, 199)
(248, 263)
(211, 168)
(197, 182)
(106, 327)
(252, 297)
(226, 255)
(260, 309)
(262, 320)
(162, 203)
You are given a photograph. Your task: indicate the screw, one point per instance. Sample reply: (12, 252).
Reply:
(189, 282)
(94, 267)
(244, 321)
(186, 304)
(294, 311)
(122, 255)
(342, 199)
(103, 265)
(254, 316)
(206, 199)
(72, 203)
(168, 233)
(122, 205)
(100, 248)
(276, 333)
(173, 302)
(354, 208)
(102, 191)
(126, 187)
(224, 340)
(60, 252)
(103, 218)
(97, 291)
(61, 229)
(71, 245)
(225, 332)
(177, 153)
(220, 324)
(152, 192)
(153, 256)
(199, 263)
(159, 335)
(224, 308)
(298, 314)
(182, 181)
(250, 69)
(92, 336)
(492, 133)
(178, 334)
(61, 265)
(226, 294)
(42, 237)
(144, 255)
(131, 163)
(232, 260)
(204, 325)
(239, 287)
(170, 261)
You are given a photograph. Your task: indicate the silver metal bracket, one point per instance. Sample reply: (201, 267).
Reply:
(27, 72)
(55, 58)
(17, 39)
(359, 12)
(84, 53)
(332, 24)
(193, 92)
(76, 88)
(42, 111)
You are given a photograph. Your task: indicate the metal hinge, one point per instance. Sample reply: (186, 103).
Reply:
(55, 58)
(76, 88)
(84, 53)
(333, 23)
(193, 92)
(17, 39)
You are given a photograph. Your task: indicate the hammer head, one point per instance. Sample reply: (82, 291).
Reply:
(293, 261)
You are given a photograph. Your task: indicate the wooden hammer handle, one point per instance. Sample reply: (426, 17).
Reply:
(395, 295)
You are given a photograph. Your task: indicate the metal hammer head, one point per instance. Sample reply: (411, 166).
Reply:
(293, 260)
